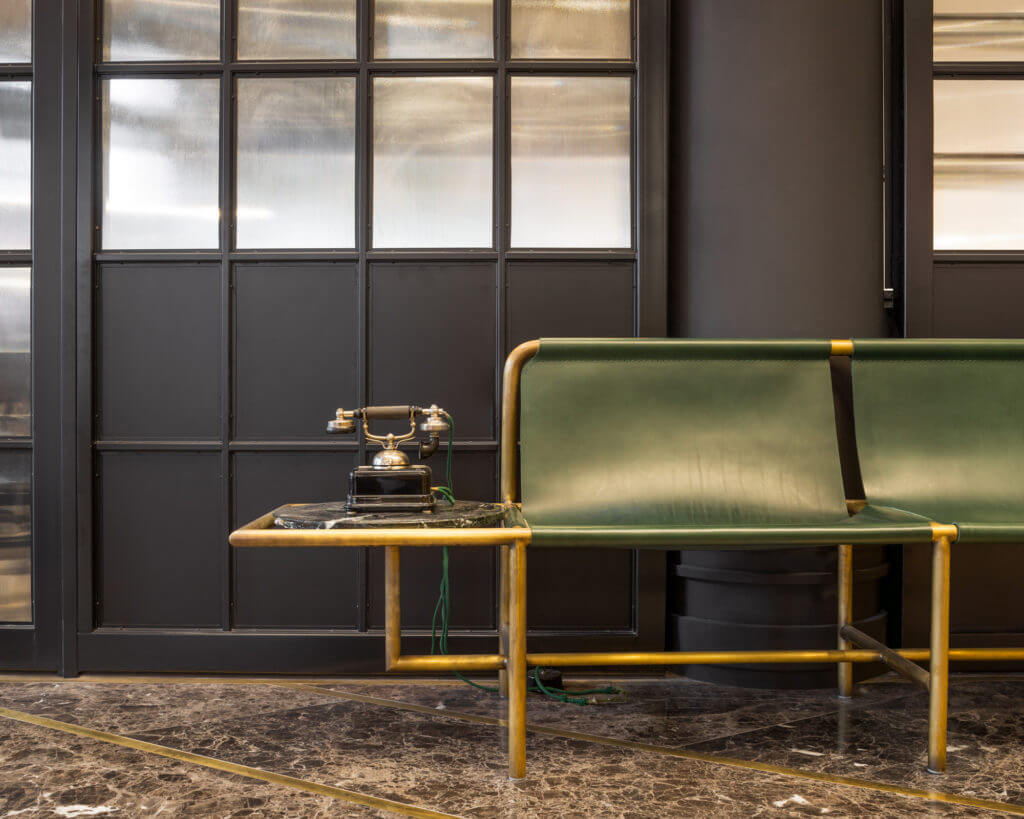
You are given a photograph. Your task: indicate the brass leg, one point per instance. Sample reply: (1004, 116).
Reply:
(503, 615)
(517, 665)
(845, 670)
(392, 606)
(939, 666)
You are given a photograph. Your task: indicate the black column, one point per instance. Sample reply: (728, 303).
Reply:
(777, 231)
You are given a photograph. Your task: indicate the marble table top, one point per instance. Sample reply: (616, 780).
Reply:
(334, 515)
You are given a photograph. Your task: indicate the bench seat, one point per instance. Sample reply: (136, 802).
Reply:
(870, 525)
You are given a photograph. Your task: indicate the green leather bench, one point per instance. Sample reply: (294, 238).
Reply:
(676, 444)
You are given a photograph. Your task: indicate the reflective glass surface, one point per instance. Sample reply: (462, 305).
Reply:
(15, 536)
(160, 159)
(432, 161)
(571, 29)
(153, 30)
(433, 29)
(296, 162)
(978, 30)
(15, 360)
(571, 162)
(979, 165)
(16, 165)
(16, 31)
(296, 29)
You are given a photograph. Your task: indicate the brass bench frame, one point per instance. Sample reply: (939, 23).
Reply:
(512, 659)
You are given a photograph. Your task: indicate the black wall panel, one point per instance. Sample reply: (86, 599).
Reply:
(293, 587)
(295, 343)
(161, 538)
(978, 300)
(472, 574)
(585, 299)
(434, 339)
(158, 359)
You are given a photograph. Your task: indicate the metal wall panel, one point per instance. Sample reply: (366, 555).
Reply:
(161, 536)
(312, 588)
(295, 345)
(158, 370)
(434, 337)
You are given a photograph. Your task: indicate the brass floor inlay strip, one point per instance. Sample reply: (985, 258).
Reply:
(227, 767)
(731, 762)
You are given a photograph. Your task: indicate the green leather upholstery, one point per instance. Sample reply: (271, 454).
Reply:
(678, 444)
(940, 431)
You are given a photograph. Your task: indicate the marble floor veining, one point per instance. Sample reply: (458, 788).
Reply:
(666, 747)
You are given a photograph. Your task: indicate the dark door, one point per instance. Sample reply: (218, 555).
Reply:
(332, 203)
(965, 107)
(31, 354)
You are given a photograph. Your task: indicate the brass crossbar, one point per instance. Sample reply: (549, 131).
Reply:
(901, 665)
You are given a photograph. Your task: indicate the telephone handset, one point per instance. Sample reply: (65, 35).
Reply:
(390, 483)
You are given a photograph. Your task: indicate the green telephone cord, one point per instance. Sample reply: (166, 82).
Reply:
(439, 637)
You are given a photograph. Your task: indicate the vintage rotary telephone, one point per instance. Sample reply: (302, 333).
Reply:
(391, 483)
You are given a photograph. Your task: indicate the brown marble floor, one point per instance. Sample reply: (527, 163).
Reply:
(669, 747)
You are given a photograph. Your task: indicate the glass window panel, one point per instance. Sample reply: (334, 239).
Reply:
(16, 31)
(433, 29)
(571, 162)
(979, 165)
(15, 536)
(290, 30)
(432, 161)
(16, 167)
(978, 30)
(154, 30)
(15, 362)
(571, 29)
(160, 160)
(296, 162)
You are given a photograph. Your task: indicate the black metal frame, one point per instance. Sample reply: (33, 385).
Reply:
(67, 199)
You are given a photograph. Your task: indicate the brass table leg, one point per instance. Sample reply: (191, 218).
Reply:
(517, 665)
(504, 553)
(939, 669)
(845, 670)
(392, 606)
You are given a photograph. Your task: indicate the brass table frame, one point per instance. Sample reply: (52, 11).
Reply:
(512, 659)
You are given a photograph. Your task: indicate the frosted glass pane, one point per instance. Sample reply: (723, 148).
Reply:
(291, 30)
(15, 537)
(571, 29)
(978, 30)
(571, 162)
(16, 166)
(433, 29)
(16, 31)
(432, 161)
(15, 360)
(296, 162)
(160, 161)
(979, 165)
(153, 30)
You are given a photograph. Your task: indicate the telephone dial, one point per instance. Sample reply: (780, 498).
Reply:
(390, 483)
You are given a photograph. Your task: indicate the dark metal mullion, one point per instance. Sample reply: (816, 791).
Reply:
(16, 443)
(227, 220)
(16, 71)
(363, 210)
(15, 258)
(987, 70)
(502, 208)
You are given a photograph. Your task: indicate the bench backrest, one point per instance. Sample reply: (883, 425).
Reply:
(940, 426)
(673, 433)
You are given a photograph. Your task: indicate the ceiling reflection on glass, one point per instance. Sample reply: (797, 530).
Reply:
(160, 142)
(15, 31)
(432, 161)
(16, 167)
(296, 29)
(296, 162)
(571, 29)
(433, 29)
(154, 30)
(15, 358)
